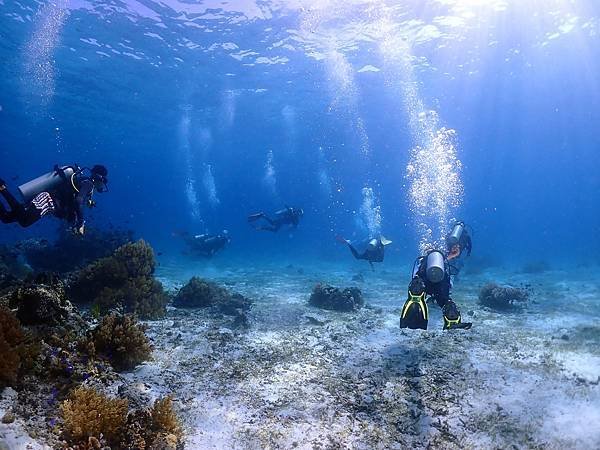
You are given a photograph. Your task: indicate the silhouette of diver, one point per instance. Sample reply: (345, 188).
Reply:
(286, 216)
(374, 251)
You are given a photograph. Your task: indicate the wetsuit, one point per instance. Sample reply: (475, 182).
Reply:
(65, 202)
(415, 312)
(456, 260)
(373, 253)
(206, 244)
(286, 216)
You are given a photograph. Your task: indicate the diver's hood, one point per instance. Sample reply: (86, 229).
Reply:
(385, 241)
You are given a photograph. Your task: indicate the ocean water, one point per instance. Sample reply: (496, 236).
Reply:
(375, 117)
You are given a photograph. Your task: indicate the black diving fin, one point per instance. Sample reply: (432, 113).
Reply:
(415, 314)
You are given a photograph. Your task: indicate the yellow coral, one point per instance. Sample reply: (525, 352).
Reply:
(88, 413)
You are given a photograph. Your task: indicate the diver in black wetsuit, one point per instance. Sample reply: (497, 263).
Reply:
(431, 277)
(286, 216)
(207, 245)
(62, 192)
(374, 251)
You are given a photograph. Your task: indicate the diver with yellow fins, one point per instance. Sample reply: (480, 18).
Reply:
(430, 278)
(62, 192)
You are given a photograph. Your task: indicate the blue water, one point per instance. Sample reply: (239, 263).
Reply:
(207, 111)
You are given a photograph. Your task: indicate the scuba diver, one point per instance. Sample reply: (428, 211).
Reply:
(207, 245)
(374, 251)
(431, 277)
(286, 216)
(458, 242)
(62, 193)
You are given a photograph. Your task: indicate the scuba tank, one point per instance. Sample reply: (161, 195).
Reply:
(457, 231)
(46, 183)
(435, 266)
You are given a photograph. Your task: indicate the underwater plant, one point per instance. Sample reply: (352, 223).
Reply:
(124, 280)
(12, 338)
(121, 340)
(89, 414)
(503, 298)
(332, 298)
(199, 293)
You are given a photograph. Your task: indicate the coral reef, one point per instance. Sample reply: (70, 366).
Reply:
(329, 297)
(90, 414)
(11, 347)
(70, 251)
(119, 339)
(41, 300)
(153, 428)
(503, 298)
(199, 293)
(123, 280)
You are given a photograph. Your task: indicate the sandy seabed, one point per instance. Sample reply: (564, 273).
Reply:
(300, 377)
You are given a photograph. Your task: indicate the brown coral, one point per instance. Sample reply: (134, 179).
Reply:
(11, 347)
(88, 413)
(124, 279)
(156, 428)
(164, 419)
(121, 340)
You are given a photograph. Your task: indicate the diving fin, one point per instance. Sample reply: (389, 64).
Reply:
(415, 314)
(452, 318)
(255, 217)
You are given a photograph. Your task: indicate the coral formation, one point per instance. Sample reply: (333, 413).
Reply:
(329, 297)
(70, 251)
(503, 298)
(123, 280)
(119, 339)
(41, 300)
(11, 347)
(90, 414)
(201, 293)
(156, 428)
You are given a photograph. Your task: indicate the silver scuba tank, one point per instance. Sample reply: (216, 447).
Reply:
(435, 267)
(45, 183)
(456, 234)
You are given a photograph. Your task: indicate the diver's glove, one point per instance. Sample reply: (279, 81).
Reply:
(452, 319)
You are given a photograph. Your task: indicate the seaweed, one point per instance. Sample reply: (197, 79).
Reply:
(119, 339)
(332, 298)
(90, 414)
(12, 340)
(503, 298)
(123, 280)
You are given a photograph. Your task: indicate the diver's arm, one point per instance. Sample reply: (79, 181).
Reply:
(85, 191)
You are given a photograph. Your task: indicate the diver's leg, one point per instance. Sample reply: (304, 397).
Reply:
(10, 199)
(353, 251)
(451, 313)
